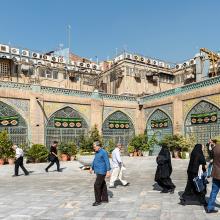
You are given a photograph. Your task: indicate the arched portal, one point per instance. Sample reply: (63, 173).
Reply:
(65, 125)
(14, 123)
(118, 127)
(202, 122)
(159, 124)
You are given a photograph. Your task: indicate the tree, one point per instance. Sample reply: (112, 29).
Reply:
(6, 150)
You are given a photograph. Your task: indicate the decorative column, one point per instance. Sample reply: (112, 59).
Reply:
(178, 123)
(36, 116)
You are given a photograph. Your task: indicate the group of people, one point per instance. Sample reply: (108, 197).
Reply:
(197, 165)
(101, 167)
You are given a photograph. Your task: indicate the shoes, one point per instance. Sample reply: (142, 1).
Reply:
(59, 170)
(26, 174)
(111, 187)
(164, 191)
(127, 184)
(171, 191)
(46, 170)
(14, 175)
(211, 211)
(96, 203)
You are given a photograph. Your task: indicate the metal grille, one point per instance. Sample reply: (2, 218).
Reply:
(19, 133)
(159, 132)
(202, 132)
(65, 134)
(4, 67)
(122, 136)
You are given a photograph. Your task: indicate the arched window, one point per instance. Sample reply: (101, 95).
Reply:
(65, 125)
(118, 127)
(14, 123)
(203, 122)
(160, 124)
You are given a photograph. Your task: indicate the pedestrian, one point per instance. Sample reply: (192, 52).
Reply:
(117, 167)
(210, 146)
(164, 171)
(216, 179)
(53, 157)
(19, 155)
(190, 195)
(101, 167)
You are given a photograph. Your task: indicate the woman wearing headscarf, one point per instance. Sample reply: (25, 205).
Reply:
(190, 195)
(164, 170)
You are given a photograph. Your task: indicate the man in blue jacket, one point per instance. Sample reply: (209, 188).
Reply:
(101, 167)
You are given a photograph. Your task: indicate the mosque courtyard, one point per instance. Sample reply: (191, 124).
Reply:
(69, 194)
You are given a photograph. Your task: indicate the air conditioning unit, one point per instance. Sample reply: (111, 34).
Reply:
(61, 60)
(149, 61)
(136, 57)
(178, 66)
(15, 51)
(88, 65)
(167, 66)
(16, 58)
(142, 59)
(185, 64)
(46, 57)
(4, 48)
(161, 64)
(25, 53)
(81, 64)
(155, 62)
(40, 62)
(24, 60)
(192, 62)
(128, 56)
(4, 56)
(35, 55)
(54, 59)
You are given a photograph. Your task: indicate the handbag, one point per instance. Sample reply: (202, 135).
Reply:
(200, 182)
(51, 157)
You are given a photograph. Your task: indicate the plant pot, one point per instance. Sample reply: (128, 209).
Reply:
(145, 153)
(2, 161)
(64, 157)
(131, 154)
(11, 161)
(139, 153)
(176, 154)
(110, 155)
(135, 154)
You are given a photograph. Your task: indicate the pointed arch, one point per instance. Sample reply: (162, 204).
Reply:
(14, 123)
(65, 125)
(199, 122)
(160, 124)
(118, 127)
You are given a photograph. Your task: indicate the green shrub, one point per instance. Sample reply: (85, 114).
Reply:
(110, 147)
(37, 153)
(68, 148)
(130, 149)
(6, 150)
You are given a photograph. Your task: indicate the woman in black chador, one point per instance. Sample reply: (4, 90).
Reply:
(164, 170)
(190, 195)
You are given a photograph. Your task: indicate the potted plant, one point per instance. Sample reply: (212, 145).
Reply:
(5, 146)
(37, 153)
(64, 151)
(131, 150)
(110, 147)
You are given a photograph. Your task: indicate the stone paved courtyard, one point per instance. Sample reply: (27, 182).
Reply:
(69, 195)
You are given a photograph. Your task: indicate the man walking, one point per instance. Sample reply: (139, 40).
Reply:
(101, 167)
(19, 155)
(117, 167)
(53, 157)
(215, 180)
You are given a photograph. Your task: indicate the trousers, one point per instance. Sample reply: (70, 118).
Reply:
(19, 163)
(100, 189)
(117, 173)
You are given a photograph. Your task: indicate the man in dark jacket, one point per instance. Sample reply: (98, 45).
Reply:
(216, 179)
(101, 167)
(53, 157)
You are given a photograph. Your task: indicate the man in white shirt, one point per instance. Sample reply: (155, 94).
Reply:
(117, 167)
(19, 155)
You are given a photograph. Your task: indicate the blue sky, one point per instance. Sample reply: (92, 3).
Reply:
(172, 30)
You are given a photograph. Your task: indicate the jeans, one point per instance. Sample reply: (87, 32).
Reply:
(213, 195)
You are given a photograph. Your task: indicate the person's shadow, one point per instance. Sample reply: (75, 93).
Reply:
(110, 193)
